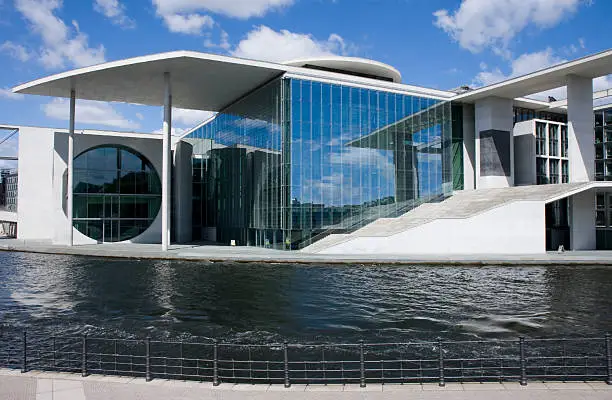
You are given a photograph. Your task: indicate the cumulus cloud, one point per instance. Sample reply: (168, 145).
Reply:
(524, 64)
(242, 9)
(174, 131)
(190, 118)
(190, 24)
(115, 11)
(530, 62)
(223, 43)
(16, 51)
(478, 24)
(89, 112)
(191, 16)
(264, 43)
(60, 44)
(8, 94)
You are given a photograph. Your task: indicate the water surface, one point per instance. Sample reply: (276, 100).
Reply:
(271, 302)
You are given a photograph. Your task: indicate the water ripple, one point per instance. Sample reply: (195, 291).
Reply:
(259, 303)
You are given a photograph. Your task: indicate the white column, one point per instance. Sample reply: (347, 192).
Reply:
(580, 128)
(69, 184)
(583, 235)
(167, 129)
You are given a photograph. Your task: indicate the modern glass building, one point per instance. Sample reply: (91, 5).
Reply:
(334, 155)
(297, 159)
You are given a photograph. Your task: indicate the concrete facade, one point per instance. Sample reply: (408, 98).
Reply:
(582, 221)
(494, 150)
(42, 184)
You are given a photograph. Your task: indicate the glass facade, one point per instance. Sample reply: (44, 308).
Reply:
(603, 172)
(603, 145)
(297, 160)
(117, 193)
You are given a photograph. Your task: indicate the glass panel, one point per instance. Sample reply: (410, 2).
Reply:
(600, 218)
(297, 159)
(109, 184)
(601, 200)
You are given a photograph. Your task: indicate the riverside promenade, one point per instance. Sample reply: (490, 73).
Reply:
(215, 253)
(61, 386)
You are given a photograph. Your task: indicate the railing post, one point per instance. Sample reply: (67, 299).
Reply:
(523, 362)
(286, 356)
(84, 358)
(609, 358)
(148, 359)
(215, 364)
(362, 380)
(24, 365)
(441, 362)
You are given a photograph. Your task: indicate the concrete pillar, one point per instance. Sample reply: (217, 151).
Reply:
(469, 148)
(166, 131)
(580, 128)
(70, 181)
(582, 221)
(494, 150)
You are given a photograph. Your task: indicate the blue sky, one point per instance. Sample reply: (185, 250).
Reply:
(434, 43)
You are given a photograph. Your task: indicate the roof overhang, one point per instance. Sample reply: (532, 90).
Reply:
(199, 81)
(592, 66)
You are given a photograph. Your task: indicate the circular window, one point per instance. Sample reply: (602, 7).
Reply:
(117, 193)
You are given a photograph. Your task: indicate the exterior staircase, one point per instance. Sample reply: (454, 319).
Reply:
(463, 204)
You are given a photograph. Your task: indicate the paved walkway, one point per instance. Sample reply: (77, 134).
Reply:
(59, 386)
(256, 254)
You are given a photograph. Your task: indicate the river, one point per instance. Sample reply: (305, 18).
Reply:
(257, 302)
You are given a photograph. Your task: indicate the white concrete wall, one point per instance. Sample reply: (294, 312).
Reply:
(494, 113)
(148, 147)
(182, 182)
(524, 153)
(515, 228)
(580, 128)
(582, 221)
(35, 189)
(469, 147)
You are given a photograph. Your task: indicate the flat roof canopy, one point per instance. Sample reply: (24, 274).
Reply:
(592, 66)
(199, 81)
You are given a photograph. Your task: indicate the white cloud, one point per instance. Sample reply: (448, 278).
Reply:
(16, 51)
(60, 44)
(190, 24)
(190, 118)
(263, 43)
(8, 94)
(524, 64)
(89, 112)
(530, 62)
(114, 11)
(479, 24)
(173, 131)
(242, 9)
(223, 42)
(191, 16)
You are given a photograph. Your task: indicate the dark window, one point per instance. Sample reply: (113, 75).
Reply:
(540, 139)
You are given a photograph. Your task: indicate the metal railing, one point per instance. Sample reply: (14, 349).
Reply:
(440, 361)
